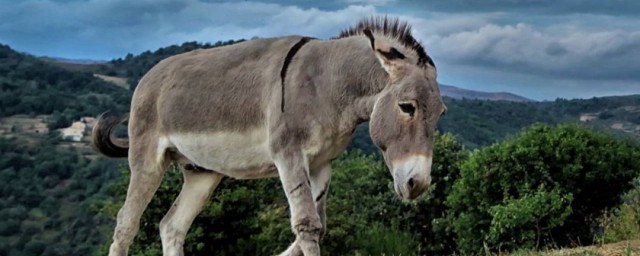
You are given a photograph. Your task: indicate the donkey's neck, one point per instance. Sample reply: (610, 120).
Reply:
(358, 77)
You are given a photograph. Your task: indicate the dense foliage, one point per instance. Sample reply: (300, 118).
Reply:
(623, 222)
(48, 185)
(547, 186)
(45, 199)
(480, 123)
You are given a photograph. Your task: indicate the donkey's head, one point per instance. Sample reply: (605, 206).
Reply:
(404, 117)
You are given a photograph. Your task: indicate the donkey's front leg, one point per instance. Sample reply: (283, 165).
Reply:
(320, 180)
(305, 221)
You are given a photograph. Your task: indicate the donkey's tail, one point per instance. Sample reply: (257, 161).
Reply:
(102, 139)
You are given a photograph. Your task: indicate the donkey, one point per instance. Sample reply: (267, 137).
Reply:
(279, 107)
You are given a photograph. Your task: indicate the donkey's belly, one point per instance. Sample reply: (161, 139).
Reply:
(238, 155)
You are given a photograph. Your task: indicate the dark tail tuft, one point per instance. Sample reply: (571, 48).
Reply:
(102, 140)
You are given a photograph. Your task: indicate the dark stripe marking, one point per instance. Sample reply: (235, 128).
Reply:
(392, 54)
(195, 168)
(287, 61)
(306, 176)
(322, 193)
(368, 33)
(296, 188)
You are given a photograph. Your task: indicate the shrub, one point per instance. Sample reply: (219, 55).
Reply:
(380, 240)
(545, 187)
(623, 223)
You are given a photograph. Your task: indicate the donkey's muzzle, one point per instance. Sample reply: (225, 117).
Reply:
(412, 176)
(412, 188)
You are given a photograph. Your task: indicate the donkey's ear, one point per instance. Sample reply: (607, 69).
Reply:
(391, 58)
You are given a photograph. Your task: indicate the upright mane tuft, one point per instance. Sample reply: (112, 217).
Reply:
(394, 28)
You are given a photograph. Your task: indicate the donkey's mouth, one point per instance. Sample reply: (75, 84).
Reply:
(411, 192)
(412, 176)
(399, 191)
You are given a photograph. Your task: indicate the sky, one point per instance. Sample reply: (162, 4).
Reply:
(540, 49)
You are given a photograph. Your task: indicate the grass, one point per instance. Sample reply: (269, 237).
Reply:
(623, 248)
(119, 81)
(22, 127)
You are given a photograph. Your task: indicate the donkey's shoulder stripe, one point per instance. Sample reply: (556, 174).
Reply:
(283, 73)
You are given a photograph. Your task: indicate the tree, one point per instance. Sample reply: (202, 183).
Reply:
(545, 187)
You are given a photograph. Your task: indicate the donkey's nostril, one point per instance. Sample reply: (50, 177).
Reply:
(410, 183)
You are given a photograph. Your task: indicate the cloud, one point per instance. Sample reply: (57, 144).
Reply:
(544, 7)
(370, 2)
(495, 43)
(542, 57)
(559, 54)
(286, 21)
(115, 27)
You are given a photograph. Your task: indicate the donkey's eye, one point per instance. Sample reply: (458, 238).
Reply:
(407, 108)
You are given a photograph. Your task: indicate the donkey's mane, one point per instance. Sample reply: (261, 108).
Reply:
(394, 28)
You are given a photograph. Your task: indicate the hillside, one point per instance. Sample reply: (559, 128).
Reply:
(50, 185)
(460, 93)
(132, 67)
(480, 123)
(34, 87)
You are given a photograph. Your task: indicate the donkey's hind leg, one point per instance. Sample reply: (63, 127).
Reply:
(196, 190)
(148, 165)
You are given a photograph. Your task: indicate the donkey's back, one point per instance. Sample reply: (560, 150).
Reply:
(220, 89)
(207, 108)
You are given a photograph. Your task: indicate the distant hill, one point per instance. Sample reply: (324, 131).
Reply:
(459, 93)
(132, 67)
(73, 61)
(29, 85)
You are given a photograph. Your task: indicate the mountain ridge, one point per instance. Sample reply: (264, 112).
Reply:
(461, 93)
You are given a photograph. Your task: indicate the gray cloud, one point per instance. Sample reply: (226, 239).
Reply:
(115, 27)
(557, 53)
(513, 45)
(546, 7)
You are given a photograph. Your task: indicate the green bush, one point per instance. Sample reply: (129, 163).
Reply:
(377, 239)
(513, 220)
(545, 187)
(623, 223)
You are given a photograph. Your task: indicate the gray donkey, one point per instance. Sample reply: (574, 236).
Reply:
(279, 107)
